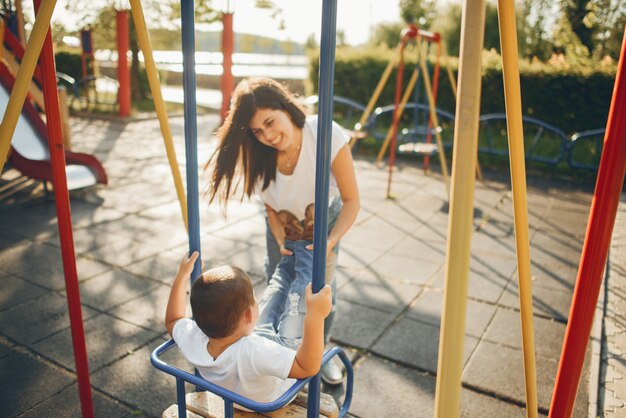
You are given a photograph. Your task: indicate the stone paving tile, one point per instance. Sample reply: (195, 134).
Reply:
(147, 311)
(135, 381)
(505, 329)
(67, 404)
(251, 231)
(36, 221)
(38, 318)
(354, 256)
(9, 239)
(379, 292)
(87, 214)
(108, 339)
(477, 405)
(42, 264)
(415, 343)
(485, 370)
(113, 288)
(124, 251)
(414, 246)
(161, 267)
(385, 389)
(427, 308)
(26, 381)
(16, 291)
(374, 233)
(554, 277)
(412, 270)
(5, 348)
(362, 332)
(548, 302)
(482, 285)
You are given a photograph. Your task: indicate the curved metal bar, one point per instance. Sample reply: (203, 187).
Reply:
(577, 138)
(246, 402)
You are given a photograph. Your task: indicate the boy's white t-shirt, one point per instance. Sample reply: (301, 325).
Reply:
(254, 366)
(296, 191)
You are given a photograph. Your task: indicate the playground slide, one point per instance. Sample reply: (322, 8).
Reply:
(29, 147)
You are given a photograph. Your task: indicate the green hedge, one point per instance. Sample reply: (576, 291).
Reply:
(572, 99)
(69, 63)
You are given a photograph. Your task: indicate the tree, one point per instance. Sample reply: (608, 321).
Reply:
(420, 12)
(533, 31)
(387, 34)
(577, 14)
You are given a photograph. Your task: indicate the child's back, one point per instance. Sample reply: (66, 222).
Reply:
(252, 366)
(220, 341)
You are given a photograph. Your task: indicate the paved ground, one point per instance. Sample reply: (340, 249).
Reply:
(129, 237)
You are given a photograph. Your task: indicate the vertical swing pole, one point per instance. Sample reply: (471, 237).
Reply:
(450, 362)
(513, 106)
(395, 119)
(595, 249)
(191, 130)
(64, 217)
(23, 78)
(322, 166)
(143, 37)
(429, 135)
(435, 120)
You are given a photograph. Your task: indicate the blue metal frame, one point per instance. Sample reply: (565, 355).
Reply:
(418, 132)
(322, 166)
(543, 127)
(191, 130)
(230, 397)
(577, 138)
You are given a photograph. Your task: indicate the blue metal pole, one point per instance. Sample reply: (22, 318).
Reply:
(322, 173)
(180, 397)
(191, 130)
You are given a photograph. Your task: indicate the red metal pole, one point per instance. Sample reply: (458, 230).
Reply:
(57, 159)
(228, 47)
(123, 73)
(396, 119)
(595, 249)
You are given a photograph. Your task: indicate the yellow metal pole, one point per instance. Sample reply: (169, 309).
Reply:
(479, 173)
(155, 88)
(435, 119)
(401, 106)
(450, 362)
(513, 102)
(24, 76)
(379, 88)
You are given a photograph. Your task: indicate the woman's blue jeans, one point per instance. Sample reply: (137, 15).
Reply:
(274, 256)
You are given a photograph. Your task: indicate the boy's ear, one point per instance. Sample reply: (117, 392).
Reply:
(249, 315)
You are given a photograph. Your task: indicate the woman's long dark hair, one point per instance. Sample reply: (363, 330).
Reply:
(239, 153)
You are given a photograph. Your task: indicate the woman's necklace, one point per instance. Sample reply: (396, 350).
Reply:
(293, 155)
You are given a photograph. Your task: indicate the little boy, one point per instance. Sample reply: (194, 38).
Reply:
(221, 340)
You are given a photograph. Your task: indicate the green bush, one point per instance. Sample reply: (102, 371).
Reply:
(571, 97)
(69, 63)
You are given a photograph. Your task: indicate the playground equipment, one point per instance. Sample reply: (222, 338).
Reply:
(29, 153)
(321, 199)
(39, 34)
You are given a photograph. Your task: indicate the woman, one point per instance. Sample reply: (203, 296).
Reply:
(268, 142)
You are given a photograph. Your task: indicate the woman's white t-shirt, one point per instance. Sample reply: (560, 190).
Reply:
(254, 366)
(296, 191)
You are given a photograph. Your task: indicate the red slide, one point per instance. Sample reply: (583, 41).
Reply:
(29, 147)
